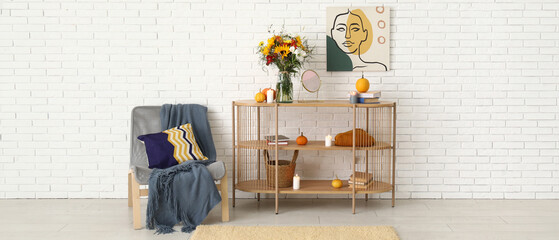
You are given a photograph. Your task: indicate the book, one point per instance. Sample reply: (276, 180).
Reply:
(357, 183)
(359, 186)
(371, 94)
(279, 143)
(272, 138)
(361, 178)
(368, 100)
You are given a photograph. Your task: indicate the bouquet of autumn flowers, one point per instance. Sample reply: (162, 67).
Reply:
(286, 52)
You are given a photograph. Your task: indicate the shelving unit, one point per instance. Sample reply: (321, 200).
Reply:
(252, 121)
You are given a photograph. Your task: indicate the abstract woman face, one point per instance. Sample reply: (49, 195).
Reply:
(353, 43)
(348, 32)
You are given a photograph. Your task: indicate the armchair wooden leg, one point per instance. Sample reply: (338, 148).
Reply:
(136, 213)
(130, 188)
(224, 199)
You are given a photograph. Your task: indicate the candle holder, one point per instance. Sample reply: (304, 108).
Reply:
(353, 97)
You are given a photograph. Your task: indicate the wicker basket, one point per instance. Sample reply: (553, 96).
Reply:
(286, 171)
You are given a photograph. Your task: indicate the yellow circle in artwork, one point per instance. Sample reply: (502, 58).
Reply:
(362, 85)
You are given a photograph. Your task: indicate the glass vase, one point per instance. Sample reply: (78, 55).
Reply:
(284, 87)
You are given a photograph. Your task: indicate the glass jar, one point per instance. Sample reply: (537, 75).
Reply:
(284, 87)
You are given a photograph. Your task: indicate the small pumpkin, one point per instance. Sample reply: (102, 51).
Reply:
(265, 91)
(337, 183)
(260, 97)
(302, 140)
(362, 85)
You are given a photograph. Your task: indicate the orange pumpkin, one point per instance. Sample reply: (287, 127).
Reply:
(265, 91)
(260, 97)
(301, 140)
(362, 85)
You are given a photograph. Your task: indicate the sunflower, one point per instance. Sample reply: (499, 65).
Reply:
(265, 51)
(283, 50)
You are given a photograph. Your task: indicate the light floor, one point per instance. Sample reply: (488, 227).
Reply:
(413, 219)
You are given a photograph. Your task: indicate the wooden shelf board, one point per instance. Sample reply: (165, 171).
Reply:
(311, 187)
(311, 145)
(314, 103)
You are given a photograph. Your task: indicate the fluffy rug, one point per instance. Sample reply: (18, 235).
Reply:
(206, 232)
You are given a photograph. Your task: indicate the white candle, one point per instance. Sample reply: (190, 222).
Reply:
(296, 182)
(270, 96)
(328, 141)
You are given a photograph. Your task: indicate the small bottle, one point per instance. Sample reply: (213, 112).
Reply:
(296, 182)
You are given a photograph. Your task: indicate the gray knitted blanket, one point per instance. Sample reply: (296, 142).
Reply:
(182, 193)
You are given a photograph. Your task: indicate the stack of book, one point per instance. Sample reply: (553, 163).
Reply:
(369, 97)
(271, 140)
(362, 179)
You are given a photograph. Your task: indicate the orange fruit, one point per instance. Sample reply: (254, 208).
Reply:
(301, 140)
(260, 97)
(362, 85)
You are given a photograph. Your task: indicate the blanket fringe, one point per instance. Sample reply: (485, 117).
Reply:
(188, 229)
(162, 229)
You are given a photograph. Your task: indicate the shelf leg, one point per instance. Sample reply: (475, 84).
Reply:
(233, 156)
(353, 205)
(277, 162)
(394, 155)
(367, 151)
(353, 166)
(258, 138)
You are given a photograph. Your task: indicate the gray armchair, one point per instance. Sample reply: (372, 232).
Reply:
(145, 120)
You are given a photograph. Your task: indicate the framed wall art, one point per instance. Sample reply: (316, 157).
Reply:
(358, 39)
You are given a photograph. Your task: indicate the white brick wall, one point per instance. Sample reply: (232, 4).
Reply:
(476, 83)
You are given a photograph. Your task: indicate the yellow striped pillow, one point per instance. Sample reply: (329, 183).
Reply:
(184, 142)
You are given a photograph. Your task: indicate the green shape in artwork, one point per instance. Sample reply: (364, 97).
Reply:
(336, 59)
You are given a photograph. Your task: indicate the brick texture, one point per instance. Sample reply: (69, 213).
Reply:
(476, 83)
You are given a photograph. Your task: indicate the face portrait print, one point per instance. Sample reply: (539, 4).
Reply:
(353, 43)
(349, 33)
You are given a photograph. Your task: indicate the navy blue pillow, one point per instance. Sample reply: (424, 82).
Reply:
(171, 147)
(159, 150)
